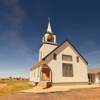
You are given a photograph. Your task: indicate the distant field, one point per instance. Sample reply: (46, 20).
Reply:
(12, 86)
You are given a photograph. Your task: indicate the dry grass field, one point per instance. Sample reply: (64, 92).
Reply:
(12, 86)
(9, 90)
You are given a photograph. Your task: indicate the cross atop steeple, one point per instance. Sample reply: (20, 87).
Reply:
(49, 29)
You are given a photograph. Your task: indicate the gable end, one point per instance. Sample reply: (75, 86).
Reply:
(60, 46)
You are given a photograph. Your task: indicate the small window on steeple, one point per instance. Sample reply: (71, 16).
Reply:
(54, 56)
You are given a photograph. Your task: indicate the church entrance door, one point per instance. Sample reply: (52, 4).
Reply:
(45, 74)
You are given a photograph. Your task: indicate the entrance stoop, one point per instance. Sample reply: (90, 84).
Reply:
(44, 84)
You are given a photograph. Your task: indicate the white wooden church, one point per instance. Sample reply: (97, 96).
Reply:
(58, 63)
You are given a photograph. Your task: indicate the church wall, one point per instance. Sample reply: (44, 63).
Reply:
(79, 69)
(46, 49)
(35, 75)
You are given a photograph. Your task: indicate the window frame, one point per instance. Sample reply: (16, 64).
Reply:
(67, 56)
(69, 71)
(77, 59)
(54, 56)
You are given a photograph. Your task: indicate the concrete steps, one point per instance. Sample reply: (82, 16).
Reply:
(42, 84)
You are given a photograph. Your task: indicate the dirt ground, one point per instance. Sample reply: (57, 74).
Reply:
(79, 94)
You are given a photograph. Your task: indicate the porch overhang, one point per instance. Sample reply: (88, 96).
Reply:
(42, 63)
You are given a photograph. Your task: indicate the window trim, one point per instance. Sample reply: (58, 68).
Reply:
(54, 56)
(67, 75)
(67, 55)
(77, 59)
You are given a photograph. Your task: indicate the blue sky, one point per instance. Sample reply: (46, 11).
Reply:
(23, 22)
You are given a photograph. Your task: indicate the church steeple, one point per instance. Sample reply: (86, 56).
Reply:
(49, 29)
(49, 36)
(48, 42)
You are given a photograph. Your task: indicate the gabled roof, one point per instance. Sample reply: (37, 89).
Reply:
(60, 46)
(43, 62)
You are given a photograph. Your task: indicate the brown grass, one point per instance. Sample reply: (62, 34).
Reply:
(12, 86)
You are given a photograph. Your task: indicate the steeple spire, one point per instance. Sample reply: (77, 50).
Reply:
(49, 26)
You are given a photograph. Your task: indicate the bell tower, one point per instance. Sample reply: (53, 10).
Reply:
(48, 42)
(49, 36)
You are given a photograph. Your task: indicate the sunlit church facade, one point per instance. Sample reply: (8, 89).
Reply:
(58, 63)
